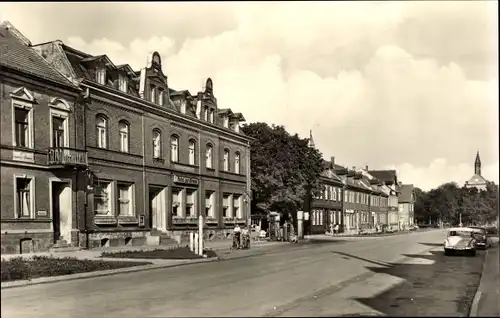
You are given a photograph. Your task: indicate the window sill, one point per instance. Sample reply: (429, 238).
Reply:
(158, 160)
(128, 220)
(105, 220)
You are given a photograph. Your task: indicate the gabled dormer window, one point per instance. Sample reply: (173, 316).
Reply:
(100, 75)
(183, 106)
(226, 122)
(123, 83)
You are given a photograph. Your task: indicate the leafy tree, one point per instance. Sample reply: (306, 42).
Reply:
(283, 168)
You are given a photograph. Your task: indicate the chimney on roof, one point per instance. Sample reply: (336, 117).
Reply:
(354, 168)
(400, 183)
(366, 167)
(332, 159)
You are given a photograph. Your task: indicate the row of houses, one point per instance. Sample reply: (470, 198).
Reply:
(359, 199)
(97, 154)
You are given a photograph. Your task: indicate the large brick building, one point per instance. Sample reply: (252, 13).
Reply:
(154, 158)
(40, 109)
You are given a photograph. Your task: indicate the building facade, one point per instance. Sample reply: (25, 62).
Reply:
(477, 180)
(406, 200)
(389, 182)
(41, 111)
(155, 158)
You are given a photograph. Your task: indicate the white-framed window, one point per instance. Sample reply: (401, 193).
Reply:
(226, 121)
(320, 217)
(103, 203)
(237, 163)
(24, 201)
(345, 195)
(174, 148)
(212, 116)
(59, 128)
(190, 203)
(210, 203)
(22, 124)
(125, 199)
(176, 202)
(161, 96)
(205, 113)
(183, 107)
(156, 143)
(334, 194)
(124, 129)
(123, 83)
(192, 152)
(237, 209)
(100, 75)
(226, 160)
(152, 93)
(226, 213)
(209, 156)
(102, 131)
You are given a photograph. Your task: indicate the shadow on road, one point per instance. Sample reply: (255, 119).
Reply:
(431, 244)
(348, 256)
(434, 285)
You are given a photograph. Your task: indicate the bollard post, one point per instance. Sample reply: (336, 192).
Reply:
(196, 243)
(191, 241)
(200, 235)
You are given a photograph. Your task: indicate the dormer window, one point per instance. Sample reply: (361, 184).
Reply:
(237, 127)
(206, 113)
(161, 94)
(123, 83)
(152, 94)
(100, 75)
(183, 106)
(226, 122)
(212, 116)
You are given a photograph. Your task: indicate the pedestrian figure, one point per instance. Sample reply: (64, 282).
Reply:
(236, 237)
(336, 228)
(245, 238)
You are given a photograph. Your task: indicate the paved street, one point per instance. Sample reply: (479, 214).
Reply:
(395, 276)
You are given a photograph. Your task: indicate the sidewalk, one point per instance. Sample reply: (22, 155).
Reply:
(486, 303)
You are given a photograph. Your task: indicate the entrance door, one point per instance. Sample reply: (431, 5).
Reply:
(61, 211)
(157, 211)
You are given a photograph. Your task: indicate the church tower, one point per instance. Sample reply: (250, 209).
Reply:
(477, 165)
(311, 141)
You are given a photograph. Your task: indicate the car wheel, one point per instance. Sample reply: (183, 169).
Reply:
(447, 253)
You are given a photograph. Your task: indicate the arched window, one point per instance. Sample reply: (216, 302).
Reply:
(102, 131)
(209, 156)
(237, 163)
(192, 152)
(174, 148)
(156, 143)
(226, 159)
(123, 127)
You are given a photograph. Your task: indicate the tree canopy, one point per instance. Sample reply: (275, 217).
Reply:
(448, 201)
(283, 168)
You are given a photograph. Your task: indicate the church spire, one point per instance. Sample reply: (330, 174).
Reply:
(311, 140)
(477, 165)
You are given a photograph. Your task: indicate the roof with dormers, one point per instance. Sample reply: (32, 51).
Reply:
(16, 53)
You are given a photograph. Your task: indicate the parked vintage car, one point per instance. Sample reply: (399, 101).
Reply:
(481, 236)
(460, 239)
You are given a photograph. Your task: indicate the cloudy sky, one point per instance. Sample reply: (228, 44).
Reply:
(405, 85)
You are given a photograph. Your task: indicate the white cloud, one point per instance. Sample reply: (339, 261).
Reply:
(370, 79)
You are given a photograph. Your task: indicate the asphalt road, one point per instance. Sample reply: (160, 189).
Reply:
(395, 276)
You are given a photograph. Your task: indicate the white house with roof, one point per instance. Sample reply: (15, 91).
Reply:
(477, 181)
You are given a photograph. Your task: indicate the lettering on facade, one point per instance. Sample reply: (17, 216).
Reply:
(41, 213)
(67, 156)
(23, 156)
(185, 180)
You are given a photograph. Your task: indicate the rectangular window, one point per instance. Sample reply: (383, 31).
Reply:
(236, 207)
(176, 204)
(152, 93)
(183, 107)
(226, 160)
(125, 195)
(58, 131)
(226, 122)
(123, 83)
(212, 116)
(190, 203)
(102, 198)
(161, 94)
(24, 197)
(225, 206)
(208, 156)
(22, 127)
(209, 204)
(345, 196)
(192, 150)
(100, 75)
(205, 113)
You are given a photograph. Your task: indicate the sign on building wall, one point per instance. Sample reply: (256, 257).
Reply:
(23, 156)
(185, 180)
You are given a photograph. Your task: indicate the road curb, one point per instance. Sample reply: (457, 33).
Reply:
(477, 297)
(55, 279)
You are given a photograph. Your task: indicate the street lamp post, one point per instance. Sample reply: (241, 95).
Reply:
(342, 199)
